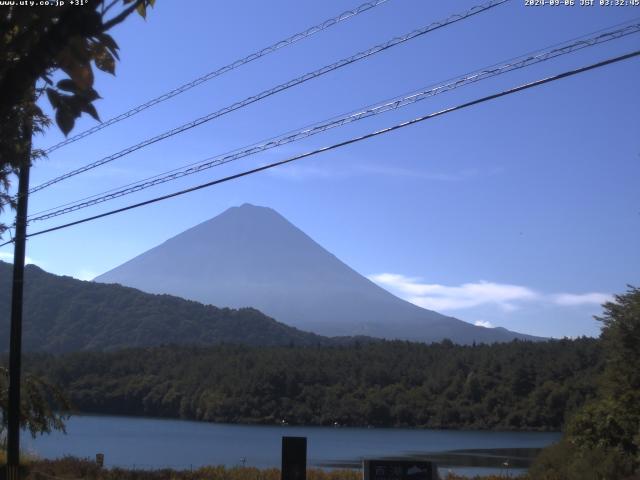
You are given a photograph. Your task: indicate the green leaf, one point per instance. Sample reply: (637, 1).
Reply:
(105, 62)
(68, 85)
(37, 111)
(79, 47)
(72, 104)
(83, 76)
(54, 98)
(90, 95)
(108, 42)
(91, 110)
(75, 62)
(65, 120)
(142, 10)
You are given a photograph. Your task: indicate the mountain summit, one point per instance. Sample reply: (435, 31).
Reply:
(251, 256)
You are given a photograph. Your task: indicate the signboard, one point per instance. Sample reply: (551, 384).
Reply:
(294, 458)
(399, 470)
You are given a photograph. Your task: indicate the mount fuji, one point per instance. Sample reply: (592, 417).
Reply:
(251, 256)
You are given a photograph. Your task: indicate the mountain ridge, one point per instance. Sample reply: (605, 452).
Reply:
(253, 256)
(63, 314)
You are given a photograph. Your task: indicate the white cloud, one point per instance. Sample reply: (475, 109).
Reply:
(394, 171)
(8, 257)
(346, 169)
(483, 323)
(572, 299)
(468, 295)
(302, 172)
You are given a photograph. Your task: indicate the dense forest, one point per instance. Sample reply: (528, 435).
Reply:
(62, 314)
(517, 385)
(601, 440)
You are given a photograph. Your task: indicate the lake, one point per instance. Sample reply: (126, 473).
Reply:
(148, 443)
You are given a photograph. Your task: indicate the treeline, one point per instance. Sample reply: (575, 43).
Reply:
(517, 385)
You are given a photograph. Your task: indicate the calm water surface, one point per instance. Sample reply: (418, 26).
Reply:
(154, 443)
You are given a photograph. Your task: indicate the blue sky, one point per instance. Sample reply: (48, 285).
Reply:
(523, 212)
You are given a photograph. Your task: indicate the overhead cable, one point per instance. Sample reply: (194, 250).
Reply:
(383, 131)
(366, 112)
(220, 71)
(272, 91)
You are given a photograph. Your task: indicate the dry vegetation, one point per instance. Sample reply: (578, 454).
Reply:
(70, 468)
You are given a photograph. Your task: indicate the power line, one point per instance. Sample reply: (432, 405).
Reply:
(383, 131)
(366, 112)
(494, 70)
(308, 76)
(220, 71)
(284, 86)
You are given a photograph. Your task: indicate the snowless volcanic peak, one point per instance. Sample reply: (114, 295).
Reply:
(251, 256)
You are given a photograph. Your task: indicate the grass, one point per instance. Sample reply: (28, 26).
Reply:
(72, 468)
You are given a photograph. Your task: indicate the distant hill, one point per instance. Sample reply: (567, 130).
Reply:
(62, 314)
(251, 256)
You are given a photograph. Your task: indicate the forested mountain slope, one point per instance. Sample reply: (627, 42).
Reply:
(62, 314)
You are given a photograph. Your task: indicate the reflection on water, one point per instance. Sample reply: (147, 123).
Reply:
(494, 458)
(502, 461)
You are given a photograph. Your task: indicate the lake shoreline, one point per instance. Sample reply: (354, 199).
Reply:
(133, 442)
(288, 424)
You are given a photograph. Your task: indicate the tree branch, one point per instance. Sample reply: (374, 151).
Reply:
(122, 16)
(108, 7)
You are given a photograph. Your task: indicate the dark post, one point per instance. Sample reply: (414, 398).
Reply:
(294, 458)
(15, 345)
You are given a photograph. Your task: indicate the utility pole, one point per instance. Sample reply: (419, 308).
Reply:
(15, 346)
